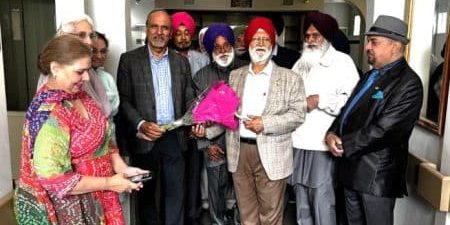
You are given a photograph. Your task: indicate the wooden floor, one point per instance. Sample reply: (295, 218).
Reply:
(289, 216)
(7, 214)
(6, 210)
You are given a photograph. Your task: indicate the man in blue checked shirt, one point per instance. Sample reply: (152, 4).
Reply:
(155, 88)
(372, 132)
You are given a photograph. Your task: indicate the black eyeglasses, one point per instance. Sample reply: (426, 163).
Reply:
(83, 35)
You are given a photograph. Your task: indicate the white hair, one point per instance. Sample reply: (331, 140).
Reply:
(68, 24)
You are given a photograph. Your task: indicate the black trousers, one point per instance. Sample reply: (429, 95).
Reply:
(365, 209)
(167, 156)
(194, 164)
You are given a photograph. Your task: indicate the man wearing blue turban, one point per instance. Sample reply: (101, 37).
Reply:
(219, 43)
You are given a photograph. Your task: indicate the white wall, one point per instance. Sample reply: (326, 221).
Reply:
(444, 218)
(111, 18)
(413, 209)
(64, 9)
(5, 163)
(388, 7)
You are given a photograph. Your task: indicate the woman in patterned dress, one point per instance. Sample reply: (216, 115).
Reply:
(70, 173)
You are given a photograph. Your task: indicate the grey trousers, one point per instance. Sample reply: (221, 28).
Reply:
(315, 206)
(218, 184)
(313, 185)
(222, 201)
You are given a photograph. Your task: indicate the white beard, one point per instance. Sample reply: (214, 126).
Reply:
(310, 57)
(258, 57)
(223, 59)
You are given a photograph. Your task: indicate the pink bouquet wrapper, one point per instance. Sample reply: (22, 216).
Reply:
(219, 106)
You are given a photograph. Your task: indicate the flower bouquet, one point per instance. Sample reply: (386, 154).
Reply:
(216, 104)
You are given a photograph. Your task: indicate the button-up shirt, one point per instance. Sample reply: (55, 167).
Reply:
(255, 96)
(162, 84)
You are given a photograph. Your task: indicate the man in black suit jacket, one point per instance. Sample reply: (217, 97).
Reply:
(155, 88)
(371, 134)
(281, 55)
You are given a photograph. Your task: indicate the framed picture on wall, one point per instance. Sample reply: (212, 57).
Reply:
(241, 3)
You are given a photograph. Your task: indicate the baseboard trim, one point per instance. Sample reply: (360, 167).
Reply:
(7, 198)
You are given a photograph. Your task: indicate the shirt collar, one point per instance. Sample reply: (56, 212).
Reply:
(266, 71)
(152, 56)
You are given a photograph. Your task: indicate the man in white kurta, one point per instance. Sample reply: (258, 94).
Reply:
(329, 77)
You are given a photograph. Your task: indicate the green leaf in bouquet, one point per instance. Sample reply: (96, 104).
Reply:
(171, 126)
(186, 120)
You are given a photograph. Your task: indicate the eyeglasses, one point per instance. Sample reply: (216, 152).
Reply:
(222, 48)
(83, 35)
(261, 39)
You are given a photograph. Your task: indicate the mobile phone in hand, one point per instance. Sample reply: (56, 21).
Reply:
(141, 177)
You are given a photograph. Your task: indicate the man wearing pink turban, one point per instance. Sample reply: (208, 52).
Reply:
(183, 29)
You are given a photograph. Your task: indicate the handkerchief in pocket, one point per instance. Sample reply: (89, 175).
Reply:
(378, 95)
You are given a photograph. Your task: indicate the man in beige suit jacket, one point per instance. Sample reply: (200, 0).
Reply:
(259, 153)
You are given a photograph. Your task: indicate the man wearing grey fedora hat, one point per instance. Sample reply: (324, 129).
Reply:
(371, 134)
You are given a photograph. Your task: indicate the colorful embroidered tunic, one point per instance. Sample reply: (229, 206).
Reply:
(59, 146)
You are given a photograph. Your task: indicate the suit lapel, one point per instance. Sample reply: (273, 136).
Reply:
(380, 84)
(144, 59)
(174, 71)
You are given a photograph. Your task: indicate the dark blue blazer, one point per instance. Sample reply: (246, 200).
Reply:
(375, 137)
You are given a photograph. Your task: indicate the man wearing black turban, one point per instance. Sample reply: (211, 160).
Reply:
(329, 77)
(281, 55)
